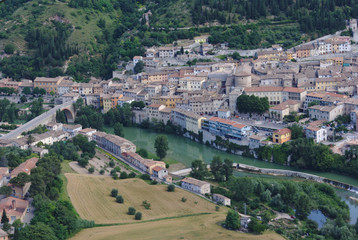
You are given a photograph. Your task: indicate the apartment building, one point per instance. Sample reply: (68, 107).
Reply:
(225, 128)
(49, 84)
(188, 120)
(195, 185)
(113, 143)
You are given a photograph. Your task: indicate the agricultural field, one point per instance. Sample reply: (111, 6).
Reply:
(195, 227)
(90, 195)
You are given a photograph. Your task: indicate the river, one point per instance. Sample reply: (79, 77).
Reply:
(185, 151)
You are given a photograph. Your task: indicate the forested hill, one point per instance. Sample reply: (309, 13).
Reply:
(84, 38)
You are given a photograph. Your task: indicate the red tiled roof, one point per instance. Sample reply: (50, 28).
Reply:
(25, 167)
(292, 89)
(157, 169)
(282, 131)
(228, 122)
(154, 105)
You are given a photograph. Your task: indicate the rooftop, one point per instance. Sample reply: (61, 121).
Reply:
(194, 181)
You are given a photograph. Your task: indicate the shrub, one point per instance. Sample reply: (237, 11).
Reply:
(119, 199)
(138, 216)
(113, 172)
(91, 170)
(131, 211)
(118, 169)
(131, 175)
(101, 171)
(146, 204)
(217, 208)
(153, 182)
(111, 163)
(183, 199)
(145, 177)
(123, 175)
(115, 176)
(171, 188)
(114, 192)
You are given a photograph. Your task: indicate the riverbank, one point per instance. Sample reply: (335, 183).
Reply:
(185, 151)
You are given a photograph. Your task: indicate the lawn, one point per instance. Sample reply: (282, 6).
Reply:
(195, 227)
(91, 198)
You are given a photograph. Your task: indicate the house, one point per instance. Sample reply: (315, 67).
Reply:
(72, 129)
(145, 165)
(223, 113)
(195, 185)
(52, 126)
(283, 109)
(166, 52)
(316, 133)
(39, 151)
(168, 179)
(159, 172)
(24, 167)
(4, 176)
(244, 222)
(281, 136)
(221, 199)
(113, 143)
(15, 208)
(255, 141)
(88, 132)
(201, 39)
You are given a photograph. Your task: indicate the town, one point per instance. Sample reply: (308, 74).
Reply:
(250, 105)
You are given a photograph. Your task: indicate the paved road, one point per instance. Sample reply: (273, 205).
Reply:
(35, 122)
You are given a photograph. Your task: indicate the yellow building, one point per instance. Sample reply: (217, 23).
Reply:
(201, 39)
(324, 83)
(281, 136)
(106, 102)
(169, 101)
(49, 84)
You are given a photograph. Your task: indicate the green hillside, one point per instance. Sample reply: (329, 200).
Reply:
(84, 38)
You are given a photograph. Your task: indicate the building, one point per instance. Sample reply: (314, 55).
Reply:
(218, 198)
(49, 84)
(3, 235)
(255, 141)
(281, 136)
(187, 120)
(159, 172)
(316, 133)
(195, 185)
(113, 143)
(15, 208)
(328, 113)
(224, 113)
(170, 101)
(88, 132)
(53, 126)
(201, 39)
(283, 109)
(166, 52)
(146, 165)
(225, 128)
(72, 129)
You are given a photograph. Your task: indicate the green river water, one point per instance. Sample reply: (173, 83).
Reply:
(185, 151)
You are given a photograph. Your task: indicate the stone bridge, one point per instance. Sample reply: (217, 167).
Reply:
(49, 116)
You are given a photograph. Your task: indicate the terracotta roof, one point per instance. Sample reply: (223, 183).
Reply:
(257, 137)
(263, 89)
(228, 122)
(25, 167)
(314, 129)
(157, 169)
(282, 131)
(295, 90)
(154, 105)
(13, 206)
(87, 130)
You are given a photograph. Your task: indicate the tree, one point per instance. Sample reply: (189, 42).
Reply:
(232, 220)
(91, 170)
(143, 153)
(114, 192)
(199, 169)
(26, 91)
(228, 168)
(256, 226)
(9, 48)
(171, 188)
(139, 67)
(5, 190)
(118, 129)
(161, 146)
(37, 231)
(296, 131)
(5, 221)
(303, 206)
(123, 175)
(217, 170)
(138, 216)
(119, 199)
(21, 179)
(131, 211)
(23, 99)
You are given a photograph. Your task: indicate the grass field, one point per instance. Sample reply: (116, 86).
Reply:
(196, 227)
(90, 195)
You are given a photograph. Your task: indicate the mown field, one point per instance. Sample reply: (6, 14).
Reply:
(90, 195)
(196, 227)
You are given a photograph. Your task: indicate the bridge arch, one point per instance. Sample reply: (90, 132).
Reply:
(70, 116)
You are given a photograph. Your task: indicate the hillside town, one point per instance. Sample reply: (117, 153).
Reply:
(202, 97)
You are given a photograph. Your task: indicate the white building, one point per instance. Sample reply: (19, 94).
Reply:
(221, 199)
(316, 133)
(195, 185)
(72, 129)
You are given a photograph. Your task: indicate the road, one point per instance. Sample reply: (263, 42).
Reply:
(35, 122)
